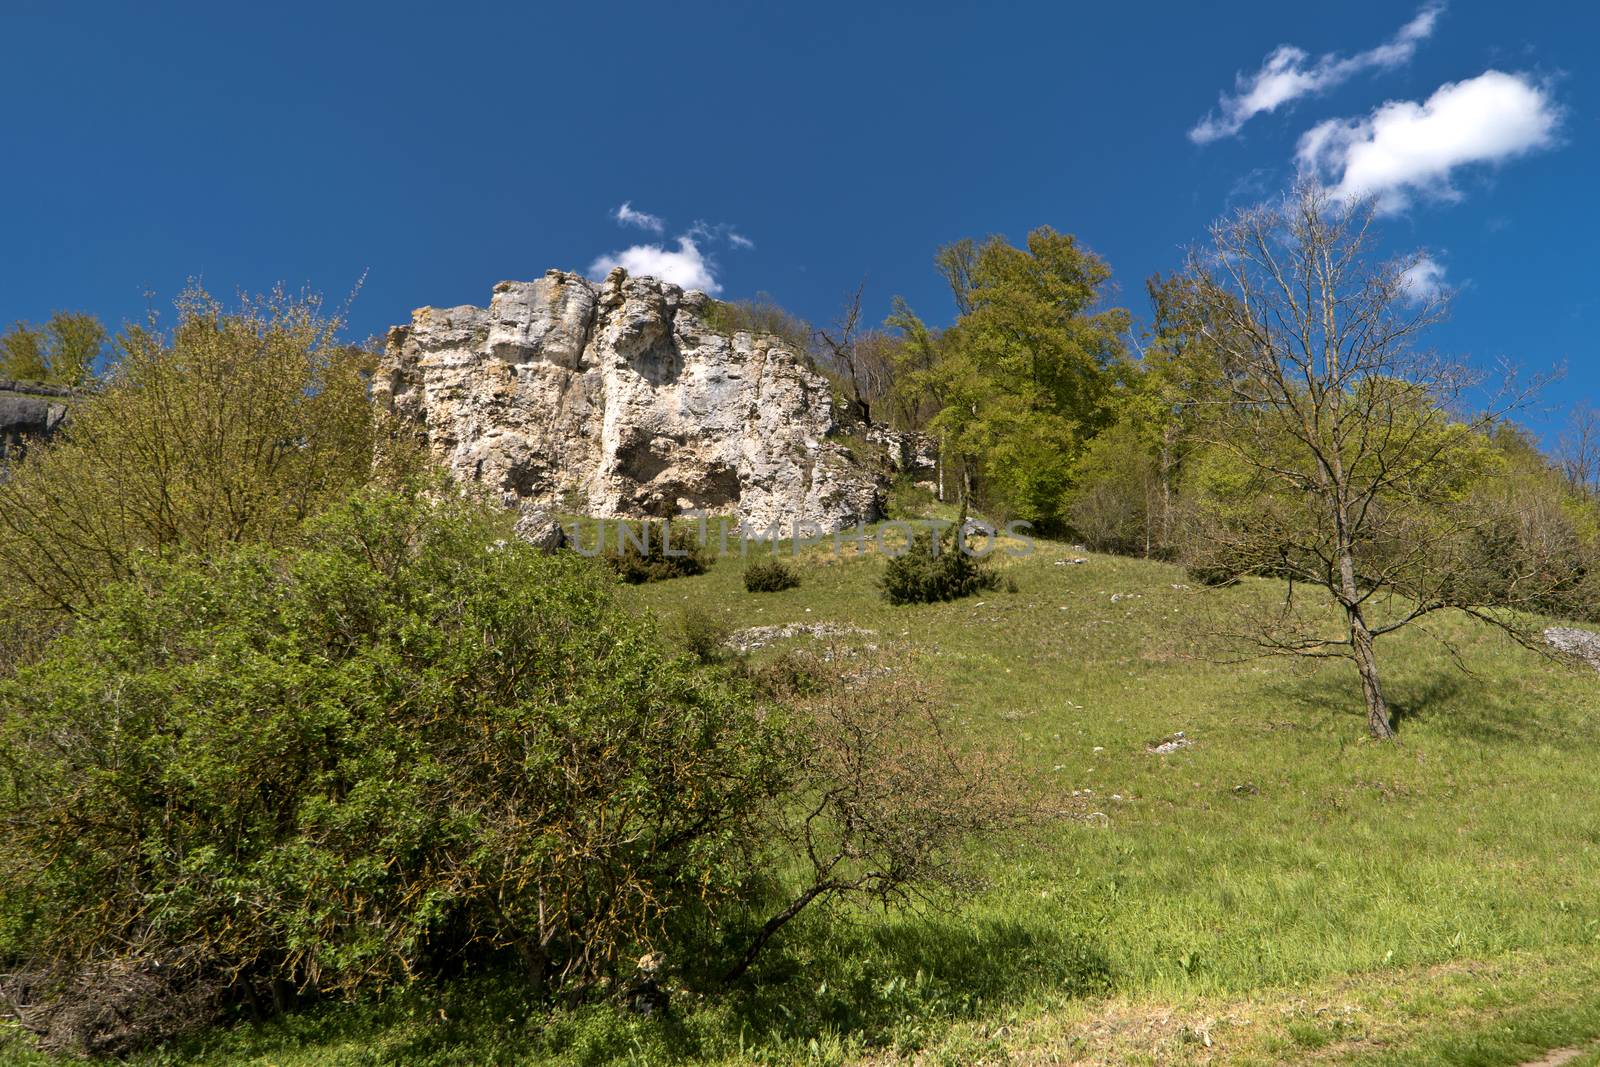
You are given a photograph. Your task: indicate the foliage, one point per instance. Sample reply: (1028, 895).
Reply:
(908, 500)
(770, 576)
(933, 569)
(64, 351)
(1536, 544)
(1443, 873)
(763, 316)
(233, 427)
(1335, 459)
(1024, 378)
(342, 764)
(705, 635)
(655, 552)
(1118, 497)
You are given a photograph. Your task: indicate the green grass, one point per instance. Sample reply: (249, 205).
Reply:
(1283, 891)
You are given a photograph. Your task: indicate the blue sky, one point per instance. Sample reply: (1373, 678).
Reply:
(798, 148)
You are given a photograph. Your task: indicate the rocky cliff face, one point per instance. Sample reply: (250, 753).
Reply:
(621, 399)
(29, 411)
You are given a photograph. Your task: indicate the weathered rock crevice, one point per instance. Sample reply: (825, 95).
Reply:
(618, 398)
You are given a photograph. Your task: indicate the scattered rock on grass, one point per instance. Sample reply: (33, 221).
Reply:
(1169, 744)
(1571, 641)
(762, 636)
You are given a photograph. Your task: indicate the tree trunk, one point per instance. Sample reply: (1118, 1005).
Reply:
(1378, 724)
(1361, 645)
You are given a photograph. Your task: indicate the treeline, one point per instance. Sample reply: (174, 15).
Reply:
(1279, 414)
(65, 350)
(1050, 405)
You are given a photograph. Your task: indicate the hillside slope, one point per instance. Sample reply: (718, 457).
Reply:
(1278, 890)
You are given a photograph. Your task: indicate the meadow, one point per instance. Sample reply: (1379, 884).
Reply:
(1278, 890)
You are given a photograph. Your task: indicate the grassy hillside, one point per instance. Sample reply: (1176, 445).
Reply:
(1280, 890)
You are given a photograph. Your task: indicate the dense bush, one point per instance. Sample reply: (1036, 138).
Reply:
(770, 576)
(934, 569)
(762, 317)
(1119, 501)
(336, 764)
(656, 554)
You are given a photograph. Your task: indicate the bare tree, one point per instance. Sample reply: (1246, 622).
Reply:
(1579, 452)
(885, 799)
(1340, 462)
(842, 341)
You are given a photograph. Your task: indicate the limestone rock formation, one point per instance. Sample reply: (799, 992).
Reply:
(29, 411)
(622, 398)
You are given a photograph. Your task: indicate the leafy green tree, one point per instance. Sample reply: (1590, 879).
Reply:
(77, 341)
(63, 351)
(22, 354)
(946, 390)
(1126, 493)
(1120, 499)
(1025, 376)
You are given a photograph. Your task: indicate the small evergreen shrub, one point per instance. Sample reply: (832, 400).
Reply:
(770, 576)
(934, 569)
(659, 553)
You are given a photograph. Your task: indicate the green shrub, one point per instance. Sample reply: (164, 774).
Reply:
(770, 576)
(932, 570)
(705, 635)
(336, 764)
(651, 557)
(908, 500)
(761, 317)
(789, 675)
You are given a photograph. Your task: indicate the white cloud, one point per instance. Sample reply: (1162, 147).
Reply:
(627, 216)
(687, 267)
(1405, 147)
(719, 231)
(1423, 280)
(1289, 73)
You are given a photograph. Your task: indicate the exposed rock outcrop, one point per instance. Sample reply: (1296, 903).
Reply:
(1574, 643)
(29, 411)
(621, 398)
